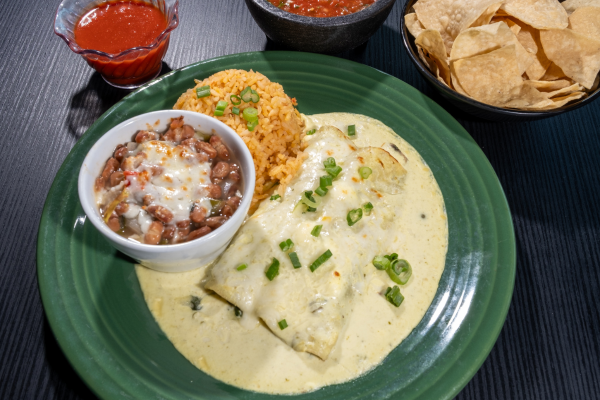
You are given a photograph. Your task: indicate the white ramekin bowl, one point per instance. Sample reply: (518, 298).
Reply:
(176, 257)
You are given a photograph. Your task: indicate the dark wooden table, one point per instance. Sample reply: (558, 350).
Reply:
(550, 345)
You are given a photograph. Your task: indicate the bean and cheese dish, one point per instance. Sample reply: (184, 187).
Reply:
(169, 188)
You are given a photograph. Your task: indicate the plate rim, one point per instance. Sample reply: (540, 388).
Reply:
(312, 58)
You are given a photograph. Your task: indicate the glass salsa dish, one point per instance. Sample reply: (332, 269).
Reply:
(127, 69)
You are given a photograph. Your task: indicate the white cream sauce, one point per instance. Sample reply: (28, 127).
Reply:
(251, 357)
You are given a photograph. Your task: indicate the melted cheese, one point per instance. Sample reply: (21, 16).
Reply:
(247, 354)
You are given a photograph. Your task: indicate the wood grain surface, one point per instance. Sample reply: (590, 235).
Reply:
(549, 347)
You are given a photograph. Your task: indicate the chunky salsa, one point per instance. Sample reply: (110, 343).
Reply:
(113, 27)
(322, 8)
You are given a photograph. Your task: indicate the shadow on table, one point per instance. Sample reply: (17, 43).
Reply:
(61, 371)
(94, 100)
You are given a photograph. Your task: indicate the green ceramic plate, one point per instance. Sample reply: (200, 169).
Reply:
(97, 312)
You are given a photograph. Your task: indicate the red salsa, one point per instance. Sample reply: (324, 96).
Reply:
(117, 26)
(322, 8)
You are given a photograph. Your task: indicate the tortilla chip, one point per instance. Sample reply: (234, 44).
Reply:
(586, 20)
(561, 101)
(548, 86)
(514, 27)
(452, 17)
(576, 87)
(487, 15)
(596, 83)
(553, 73)
(540, 14)
(433, 46)
(493, 78)
(576, 54)
(455, 83)
(571, 5)
(413, 25)
(483, 39)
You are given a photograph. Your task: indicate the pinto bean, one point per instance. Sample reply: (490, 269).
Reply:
(199, 233)
(122, 208)
(182, 233)
(221, 170)
(203, 147)
(169, 232)
(233, 202)
(232, 190)
(215, 222)
(148, 199)
(198, 214)
(201, 157)
(222, 150)
(111, 166)
(227, 211)
(176, 122)
(144, 136)
(188, 132)
(113, 223)
(120, 152)
(190, 142)
(160, 213)
(183, 224)
(234, 176)
(116, 178)
(214, 191)
(154, 233)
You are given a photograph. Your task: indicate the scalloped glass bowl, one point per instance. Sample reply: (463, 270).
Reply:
(130, 68)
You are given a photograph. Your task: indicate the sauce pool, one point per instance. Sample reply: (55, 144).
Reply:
(322, 8)
(117, 26)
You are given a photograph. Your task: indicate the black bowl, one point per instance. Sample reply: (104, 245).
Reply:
(469, 105)
(319, 35)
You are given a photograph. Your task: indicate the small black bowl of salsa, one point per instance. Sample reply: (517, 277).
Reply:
(328, 27)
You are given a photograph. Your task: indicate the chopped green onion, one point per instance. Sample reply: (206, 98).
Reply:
(365, 172)
(330, 162)
(203, 91)
(311, 209)
(325, 181)
(400, 271)
(286, 245)
(309, 200)
(295, 260)
(235, 110)
(195, 303)
(392, 256)
(273, 269)
(311, 132)
(321, 191)
(334, 171)
(250, 114)
(238, 313)
(222, 105)
(254, 97)
(242, 267)
(316, 231)
(275, 197)
(354, 216)
(235, 99)
(319, 261)
(368, 208)
(351, 130)
(282, 324)
(381, 263)
(246, 95)
(218, 113)
(394, 296)
(251, 125)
